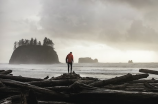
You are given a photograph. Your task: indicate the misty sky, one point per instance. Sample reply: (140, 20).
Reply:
(109, 30)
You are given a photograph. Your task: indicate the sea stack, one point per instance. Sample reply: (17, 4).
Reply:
(34, 54)
(130, 61)
(87, 60)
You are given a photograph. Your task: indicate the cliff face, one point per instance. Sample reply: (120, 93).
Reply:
(34, 54)
(87, 60)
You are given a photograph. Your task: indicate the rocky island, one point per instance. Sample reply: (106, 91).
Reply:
(130, 61)
(87, 60)
(32, 52)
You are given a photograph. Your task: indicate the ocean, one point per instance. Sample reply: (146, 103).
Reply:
(96, 70)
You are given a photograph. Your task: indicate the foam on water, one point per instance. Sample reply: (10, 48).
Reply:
(98, 70)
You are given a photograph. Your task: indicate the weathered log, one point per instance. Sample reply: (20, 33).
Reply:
(9, 90)
(33, 87)
(6, 72)
(31, 99)
(143, 81)
(86, 81)
(136, 89)
(46, 77)
(2, 70)
(135, 85)
(126, 87)
(148, 71)
(1, 84)
(149, 86)
(67, 76)
(6, 92)
(53, 102)
(155, 84)
(19, 78)
(117, 87)
(115, 80)
(102, 96)
(11, 99)
(139, 76)
(77, 87)
(121, 79)
(59, 88)
(89, 78)
(50, 83)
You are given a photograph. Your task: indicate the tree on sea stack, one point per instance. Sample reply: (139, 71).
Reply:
(48, 42)
(39, 43)
(35, 42)
(31, 41)
(32, 52)
(15, 45)
(44, 41)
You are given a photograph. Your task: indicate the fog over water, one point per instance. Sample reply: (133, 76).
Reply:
(109, 30)
(98, 70)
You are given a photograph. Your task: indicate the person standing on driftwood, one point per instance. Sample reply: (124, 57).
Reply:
(69, 60)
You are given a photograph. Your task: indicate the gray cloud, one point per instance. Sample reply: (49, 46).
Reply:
(122, 24)
(107, 22)
(140, 4)
(148, 8)
(17, 21)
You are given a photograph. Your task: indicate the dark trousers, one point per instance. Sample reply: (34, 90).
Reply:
(69, 64)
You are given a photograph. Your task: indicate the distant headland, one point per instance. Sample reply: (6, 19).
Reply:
(32, 52)
(87, 60)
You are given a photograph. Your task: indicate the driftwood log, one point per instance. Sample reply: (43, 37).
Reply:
(46, 77)
(117, 87)
(2, 70)
(148, 71)
(73, 89)
(143, 81)
(53, 102)
(115, 80)
(151, 87)
(19, 78)
(121, 79)
(6, 72)
(59, 88)
(1, 84)
(9, 90)
(33, 87)
(139, 76)
(11, 99)
(49, 83)
(100, 96)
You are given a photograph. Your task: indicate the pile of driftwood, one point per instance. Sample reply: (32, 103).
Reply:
(74, 89)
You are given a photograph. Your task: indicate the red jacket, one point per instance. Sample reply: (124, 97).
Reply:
(69, 58)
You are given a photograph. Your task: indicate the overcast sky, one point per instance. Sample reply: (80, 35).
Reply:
(109, 30)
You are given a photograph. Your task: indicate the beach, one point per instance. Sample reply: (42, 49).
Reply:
(96, 70)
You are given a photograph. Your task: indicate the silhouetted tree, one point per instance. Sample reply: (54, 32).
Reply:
(35, 42)
(31, 41)
(22, 41)
(15, 45)
(45, 41)
(26, 42)
(39, 43)
(51, 43)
